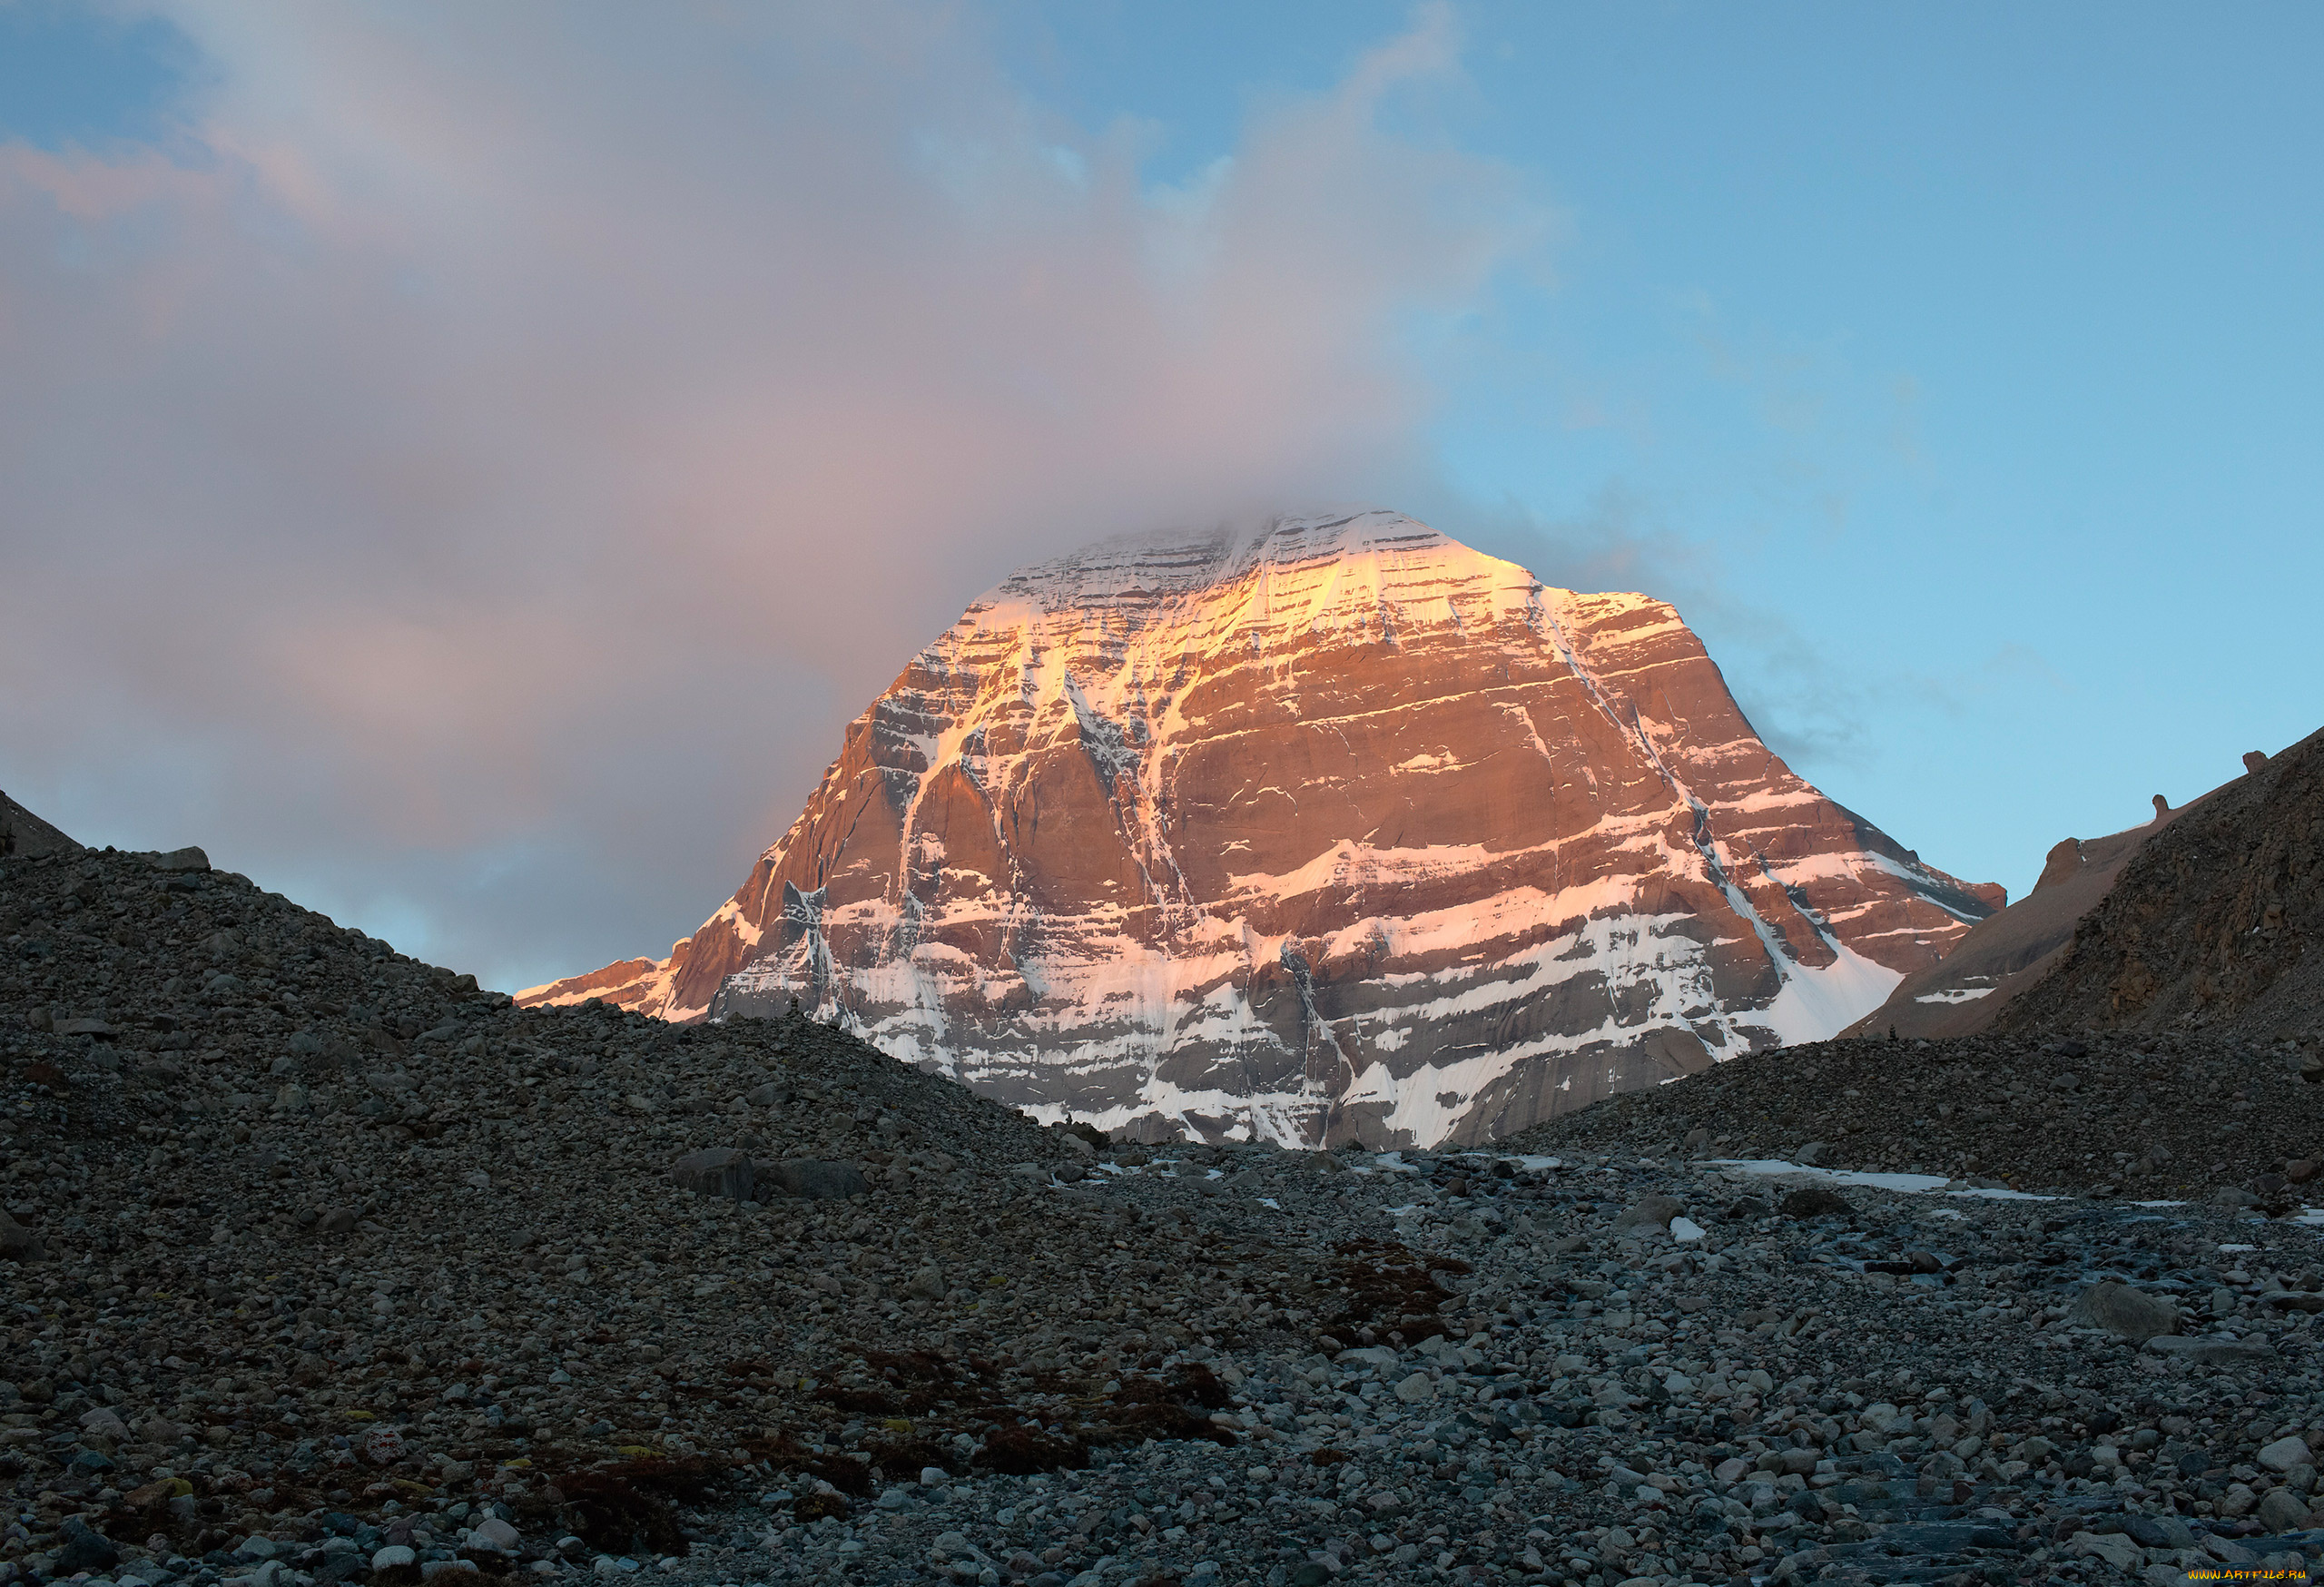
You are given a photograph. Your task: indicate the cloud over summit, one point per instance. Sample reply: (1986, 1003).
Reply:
(467, 471)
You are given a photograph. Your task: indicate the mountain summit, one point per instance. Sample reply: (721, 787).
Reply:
(1340, 831)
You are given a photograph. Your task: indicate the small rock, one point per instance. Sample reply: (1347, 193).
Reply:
(1415, 1388)
(104, 1422)
(2204, 1352)
(2281, 1510)
(495, 1534)
(1685, 1230)
(84, 1549)
(927, 1284)
(1814, 1201)
(2284, 1454)
(2117, 1549)
(1653, 1212)
(1731, 1469)
(1816, 1154)
(722, 1170)
(17, 1243)
(2123, 1312)
(334, 1220)
(393, 1555)
(2160, 1532)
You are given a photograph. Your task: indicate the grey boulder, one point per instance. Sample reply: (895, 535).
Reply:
(84, 1549)
(2202, 1351)
(2123, 1312)
(722, 1170)
(17, 1243)
(2280, 1510)
(1654, 1212)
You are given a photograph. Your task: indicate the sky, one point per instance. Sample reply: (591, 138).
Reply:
(464, 466)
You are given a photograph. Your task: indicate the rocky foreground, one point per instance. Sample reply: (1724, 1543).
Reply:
(2173, 1114)
(320, 1266)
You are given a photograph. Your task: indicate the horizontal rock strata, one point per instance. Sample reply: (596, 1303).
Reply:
(1348, 833)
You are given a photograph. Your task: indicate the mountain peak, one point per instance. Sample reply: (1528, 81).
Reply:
(1332, 829)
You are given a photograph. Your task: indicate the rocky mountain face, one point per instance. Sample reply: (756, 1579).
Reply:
(23, 834)
(2004, 955)
(2210, 924)
(1341, 832)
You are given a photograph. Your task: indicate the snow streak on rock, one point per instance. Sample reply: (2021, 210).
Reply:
(1340, 831)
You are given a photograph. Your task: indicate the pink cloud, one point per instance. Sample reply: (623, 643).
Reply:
(469, 473)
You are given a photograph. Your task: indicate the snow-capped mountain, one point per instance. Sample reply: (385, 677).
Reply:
(1340, 831)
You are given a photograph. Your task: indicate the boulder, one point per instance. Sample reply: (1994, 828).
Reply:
(2117, 1549)
(2123, 1312)
(2285, 1454)
(495, 1535)
(1655, 1212)
(103, 1422)
(83, 1549)
(186, 859)
(1815, 1201)
(17, 1243)
(722, 1170)
(2280, 1510)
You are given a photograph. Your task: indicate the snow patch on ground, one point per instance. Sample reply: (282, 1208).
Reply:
(1907, 1184)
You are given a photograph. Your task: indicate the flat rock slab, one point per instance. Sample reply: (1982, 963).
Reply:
(2211, 1352)
(2123, 1312)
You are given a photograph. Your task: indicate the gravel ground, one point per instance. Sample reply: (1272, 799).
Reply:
(323, 1266)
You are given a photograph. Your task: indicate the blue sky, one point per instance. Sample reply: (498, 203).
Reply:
(1964, 357)
(1953, 369)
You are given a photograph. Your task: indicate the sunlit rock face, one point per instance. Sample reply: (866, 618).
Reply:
(1343, 831)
